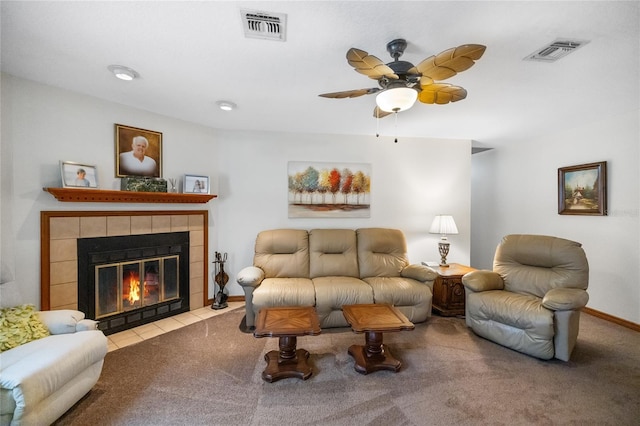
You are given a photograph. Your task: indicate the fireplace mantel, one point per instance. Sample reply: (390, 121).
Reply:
(79, 195)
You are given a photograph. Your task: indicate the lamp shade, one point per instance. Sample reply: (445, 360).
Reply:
(396, 99)
(443, 224)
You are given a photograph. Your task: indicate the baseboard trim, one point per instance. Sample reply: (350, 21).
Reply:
(611, 318)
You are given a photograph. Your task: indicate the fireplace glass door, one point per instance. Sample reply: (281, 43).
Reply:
(124, 286)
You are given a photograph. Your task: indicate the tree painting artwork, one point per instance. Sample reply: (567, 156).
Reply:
(341, 190)
(582, 189)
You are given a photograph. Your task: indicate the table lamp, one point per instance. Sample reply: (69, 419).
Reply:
(443, 225)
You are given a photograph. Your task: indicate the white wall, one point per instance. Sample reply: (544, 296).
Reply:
(42, 125)
(412, 180)
(515, 191)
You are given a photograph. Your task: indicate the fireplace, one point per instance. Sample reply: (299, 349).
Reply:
(60, 231)
(127, 281)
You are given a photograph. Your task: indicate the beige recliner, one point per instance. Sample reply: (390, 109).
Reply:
(531, 301)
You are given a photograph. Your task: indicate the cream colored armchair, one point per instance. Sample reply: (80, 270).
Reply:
(531, 301)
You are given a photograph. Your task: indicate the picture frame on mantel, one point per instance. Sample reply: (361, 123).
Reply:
(582, 189)
(138, 152)
(78, 175)
(195, 184)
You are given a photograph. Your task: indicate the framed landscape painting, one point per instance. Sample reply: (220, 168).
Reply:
(582, 189)
(329, 189)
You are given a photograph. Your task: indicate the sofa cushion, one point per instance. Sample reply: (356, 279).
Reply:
(283, 292)
(333, 292)
(382, 252)
(411, 297)
(20, 325)
(399, 291)
(333, 252)
(283, 253)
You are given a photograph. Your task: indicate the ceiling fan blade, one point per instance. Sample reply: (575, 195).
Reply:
(378, 113)
(450, 62)
(425, 81)
(441, 93)
(350, 93)
(473, 51)
(369, 65)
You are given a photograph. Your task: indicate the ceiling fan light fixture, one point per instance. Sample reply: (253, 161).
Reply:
(123, 73)
(396, 99)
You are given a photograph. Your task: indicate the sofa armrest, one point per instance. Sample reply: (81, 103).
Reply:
(565, 299)
(482, 280)
(251, 276)
(86, 325)
(65, 321)
(419, 273)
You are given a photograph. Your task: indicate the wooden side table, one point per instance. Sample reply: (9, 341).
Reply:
(448, 291)
(374, 320)
(287, 323)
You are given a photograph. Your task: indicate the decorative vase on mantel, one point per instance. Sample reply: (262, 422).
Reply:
(221, 278)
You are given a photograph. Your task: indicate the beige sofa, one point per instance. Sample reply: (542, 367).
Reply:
(328, 268)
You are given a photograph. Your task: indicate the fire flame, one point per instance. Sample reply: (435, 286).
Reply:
(134, 288)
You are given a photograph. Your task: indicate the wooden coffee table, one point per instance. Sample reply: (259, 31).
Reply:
(374, 320)
(287, 323)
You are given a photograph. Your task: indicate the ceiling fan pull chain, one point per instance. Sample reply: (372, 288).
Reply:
(377, 122)
(396, 140)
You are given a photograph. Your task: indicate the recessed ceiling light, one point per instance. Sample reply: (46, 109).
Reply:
(123, 73)
(226, 105)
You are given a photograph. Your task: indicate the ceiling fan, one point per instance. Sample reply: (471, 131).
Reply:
(402, 83)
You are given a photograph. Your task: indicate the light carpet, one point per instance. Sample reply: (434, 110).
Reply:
(209, 373)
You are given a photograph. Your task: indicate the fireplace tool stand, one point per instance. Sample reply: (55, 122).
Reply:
(221, 278)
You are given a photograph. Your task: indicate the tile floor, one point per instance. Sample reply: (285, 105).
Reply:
(147, 331)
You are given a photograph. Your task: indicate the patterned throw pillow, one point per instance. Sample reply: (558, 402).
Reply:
(20, 325)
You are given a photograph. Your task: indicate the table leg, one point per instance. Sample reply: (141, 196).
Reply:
(374, 355)
(287, 346)
(287, 362)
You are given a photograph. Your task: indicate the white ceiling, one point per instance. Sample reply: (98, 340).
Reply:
(192, 54)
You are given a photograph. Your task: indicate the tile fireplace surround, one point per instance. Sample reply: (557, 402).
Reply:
(60, 230)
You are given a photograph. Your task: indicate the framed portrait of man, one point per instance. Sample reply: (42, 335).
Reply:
(138, 152)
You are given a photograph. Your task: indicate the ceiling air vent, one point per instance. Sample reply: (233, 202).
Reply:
(556, 50)
(269, 26)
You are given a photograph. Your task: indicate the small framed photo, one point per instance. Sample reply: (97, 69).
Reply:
(138, 152)
(195, 184)
(582, 189)
(78, 175)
